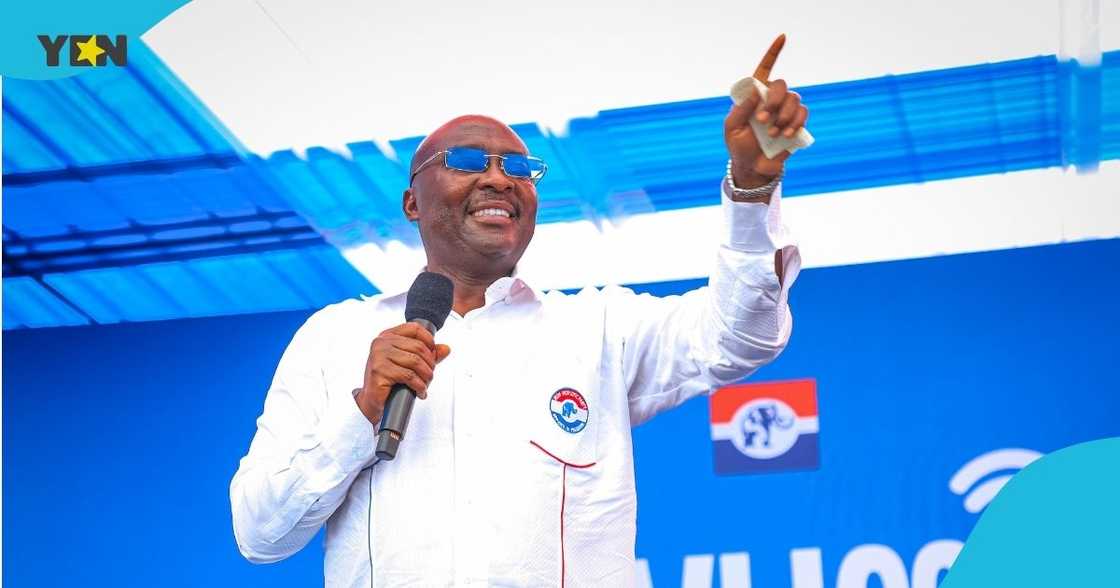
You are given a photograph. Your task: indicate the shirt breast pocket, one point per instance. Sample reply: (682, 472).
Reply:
(563, 411)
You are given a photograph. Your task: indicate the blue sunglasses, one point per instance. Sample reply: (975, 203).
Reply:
(475, 160)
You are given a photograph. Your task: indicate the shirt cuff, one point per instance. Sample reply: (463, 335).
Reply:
(346, 433)
(754, 227)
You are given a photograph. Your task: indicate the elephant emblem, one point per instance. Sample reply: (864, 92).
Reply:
(760, 424)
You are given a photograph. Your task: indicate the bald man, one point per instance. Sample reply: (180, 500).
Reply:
(518, 465)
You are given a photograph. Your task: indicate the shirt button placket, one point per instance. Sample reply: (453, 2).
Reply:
(470, 562)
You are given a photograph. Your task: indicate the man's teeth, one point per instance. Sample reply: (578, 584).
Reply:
(491, 212)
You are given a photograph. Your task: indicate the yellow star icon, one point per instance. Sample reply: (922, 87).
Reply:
(89, 50)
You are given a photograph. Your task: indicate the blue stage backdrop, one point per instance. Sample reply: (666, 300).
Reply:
(119, 441)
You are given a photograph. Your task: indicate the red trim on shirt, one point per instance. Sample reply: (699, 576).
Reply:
(567, 463)
(563, 501)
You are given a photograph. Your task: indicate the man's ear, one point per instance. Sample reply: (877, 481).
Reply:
(408, 205)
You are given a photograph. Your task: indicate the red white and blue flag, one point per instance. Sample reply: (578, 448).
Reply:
(766, 427)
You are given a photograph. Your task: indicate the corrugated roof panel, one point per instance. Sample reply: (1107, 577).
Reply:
(338, 271)
(100, 115)
(33, 212)
(350, 188)
(982, 119)
(973, 122)
(305, 192)
(134, 296)
(311, 277)
(116, 115)
(608, 185)
(561, 194)
(302, 277)
(28, 304)
(283, 279)
(662, 148)
(190, 115)
(926, 125)
(379, 167)
(149, 199)
(214, 191)
(151, 125)
(113, 201)
(11, 321)
(391, 180)
(23, 150)
(82, 290)
(125, 131)
(304, 272)
(1110, 105)
(258, 184)
(249, 284)
(404, 149)
(195, 296)
(75, 137)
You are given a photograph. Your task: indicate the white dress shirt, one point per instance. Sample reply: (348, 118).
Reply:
(490, 487)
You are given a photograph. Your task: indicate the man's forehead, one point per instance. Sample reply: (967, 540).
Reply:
(479, 134)
(471, 130)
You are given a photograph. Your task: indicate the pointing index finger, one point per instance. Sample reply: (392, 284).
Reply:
(762, 72)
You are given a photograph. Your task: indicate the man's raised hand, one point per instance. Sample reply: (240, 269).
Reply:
(782, 110)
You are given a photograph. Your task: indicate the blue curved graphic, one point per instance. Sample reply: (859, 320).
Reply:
(31, 32)
(1053, 524)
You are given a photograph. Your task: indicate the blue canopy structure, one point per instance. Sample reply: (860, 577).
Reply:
(126, 200)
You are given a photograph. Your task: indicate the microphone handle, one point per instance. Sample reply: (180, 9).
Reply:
(398, 410)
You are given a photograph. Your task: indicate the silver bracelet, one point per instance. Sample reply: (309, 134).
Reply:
(759, 192)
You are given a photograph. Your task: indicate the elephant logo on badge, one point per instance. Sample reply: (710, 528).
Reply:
(569, 410)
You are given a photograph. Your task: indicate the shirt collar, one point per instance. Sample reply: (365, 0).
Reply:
(508, 289)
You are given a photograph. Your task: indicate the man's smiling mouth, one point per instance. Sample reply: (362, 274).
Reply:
(492, 212)
(492, 209)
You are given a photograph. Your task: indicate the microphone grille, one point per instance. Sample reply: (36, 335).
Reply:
(429, 298)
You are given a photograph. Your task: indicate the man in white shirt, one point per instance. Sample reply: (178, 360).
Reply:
(517, 468)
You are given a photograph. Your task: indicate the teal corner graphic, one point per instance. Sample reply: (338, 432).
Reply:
(49, 40)
(1056, 523)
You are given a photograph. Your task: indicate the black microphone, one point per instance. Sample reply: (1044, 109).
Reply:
(428, 304)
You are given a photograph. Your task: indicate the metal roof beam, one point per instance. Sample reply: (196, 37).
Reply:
(131, 168)
(264, 231)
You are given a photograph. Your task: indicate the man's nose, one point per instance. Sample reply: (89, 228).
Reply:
(494, 178)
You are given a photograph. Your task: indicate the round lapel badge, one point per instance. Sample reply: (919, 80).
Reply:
(569, 410)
